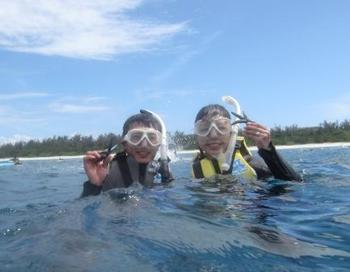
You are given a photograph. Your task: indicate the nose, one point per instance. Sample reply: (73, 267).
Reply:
(213, 133)
(144, 142)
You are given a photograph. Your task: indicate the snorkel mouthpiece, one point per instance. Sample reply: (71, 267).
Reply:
(163, 150)
(226, 165)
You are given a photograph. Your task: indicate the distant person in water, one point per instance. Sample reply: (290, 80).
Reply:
(142, 137)
(214, 131)
(16, 160)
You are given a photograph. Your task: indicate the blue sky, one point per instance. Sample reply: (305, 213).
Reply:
(84, 66)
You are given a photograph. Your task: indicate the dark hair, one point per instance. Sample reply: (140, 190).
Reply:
(146, 119)
(212, 110)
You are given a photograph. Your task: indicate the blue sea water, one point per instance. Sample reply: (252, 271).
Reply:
(186, 226)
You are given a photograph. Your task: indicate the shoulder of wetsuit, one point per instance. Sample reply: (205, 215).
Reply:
(90, 189)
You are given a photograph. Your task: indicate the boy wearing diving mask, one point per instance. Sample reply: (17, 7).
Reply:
(141, 139)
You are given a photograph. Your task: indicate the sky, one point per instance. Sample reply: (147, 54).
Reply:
(84, 66)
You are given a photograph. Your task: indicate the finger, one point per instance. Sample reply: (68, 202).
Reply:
(92, 155)
(257, 130)
(89, 157)
(256, 126)
(253, 131)
(251, 135)
(104, 155)
(258, 135)
(107, 160)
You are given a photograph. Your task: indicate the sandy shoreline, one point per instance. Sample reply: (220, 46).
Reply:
(279, 147)
(46, 158)
(303, 146)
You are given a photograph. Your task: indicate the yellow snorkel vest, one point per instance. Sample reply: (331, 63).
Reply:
(204, 167)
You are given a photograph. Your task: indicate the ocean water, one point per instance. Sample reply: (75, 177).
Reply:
(228, 225)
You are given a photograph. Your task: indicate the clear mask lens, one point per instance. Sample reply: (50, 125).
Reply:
(136, 136)
(221, 125)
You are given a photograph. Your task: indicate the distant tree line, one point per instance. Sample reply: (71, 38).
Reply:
(78, 144)
(58, 146)
(326, 132)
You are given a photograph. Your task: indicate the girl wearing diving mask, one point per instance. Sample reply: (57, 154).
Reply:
(214, 132)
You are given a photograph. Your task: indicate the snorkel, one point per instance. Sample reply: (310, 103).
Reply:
(226, 165)
(163, 150)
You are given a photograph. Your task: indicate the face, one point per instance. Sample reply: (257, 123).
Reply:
(216, 140)
(143, 152)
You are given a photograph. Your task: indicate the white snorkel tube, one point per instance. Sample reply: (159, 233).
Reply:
(163, 149)
(226, 165)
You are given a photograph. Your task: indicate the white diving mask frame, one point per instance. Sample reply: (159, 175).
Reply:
(221, 124)
(137, 135)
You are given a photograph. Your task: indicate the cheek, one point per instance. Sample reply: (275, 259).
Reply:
(226, 139)
(202, 143)
(128, 149)
(153, 152)
(201, 140)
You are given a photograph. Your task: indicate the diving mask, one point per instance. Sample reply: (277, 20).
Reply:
(135, 136)
(221, 124)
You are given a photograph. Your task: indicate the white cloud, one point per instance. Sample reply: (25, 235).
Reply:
(182, 59)
(15, 114)
(14, 117)
(75, 108)
(78, 105)
(19, 119)
(16, 96)
(86, 29)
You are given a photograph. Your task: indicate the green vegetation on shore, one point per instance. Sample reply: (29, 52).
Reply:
(77, 145)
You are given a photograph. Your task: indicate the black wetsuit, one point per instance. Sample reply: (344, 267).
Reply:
(275, 166)
(272, 165)
(124, 170)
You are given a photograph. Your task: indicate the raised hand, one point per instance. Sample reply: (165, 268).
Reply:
(96, 167)
(260, 134)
